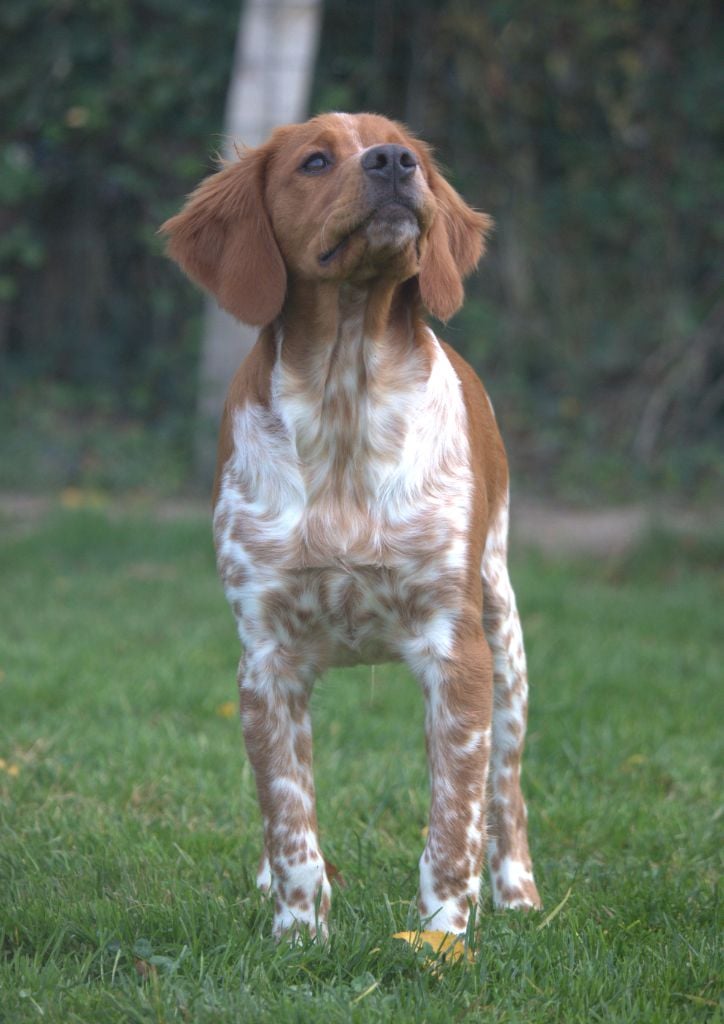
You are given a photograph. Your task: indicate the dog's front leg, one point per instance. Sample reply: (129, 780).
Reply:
(458, 694)
(278, 736)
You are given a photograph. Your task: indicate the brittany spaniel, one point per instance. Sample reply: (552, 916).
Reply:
(361, 494)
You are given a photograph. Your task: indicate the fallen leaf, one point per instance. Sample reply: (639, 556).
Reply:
(632, 762)
(76, 497)
(444, 946)
(144, 969)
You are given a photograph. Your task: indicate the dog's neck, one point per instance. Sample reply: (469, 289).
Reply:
(320, 323)
(351, 366)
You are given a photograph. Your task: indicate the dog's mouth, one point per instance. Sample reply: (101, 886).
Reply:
(328, 256)
(395, 213)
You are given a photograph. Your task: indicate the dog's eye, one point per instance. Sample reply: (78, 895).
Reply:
(315, 163)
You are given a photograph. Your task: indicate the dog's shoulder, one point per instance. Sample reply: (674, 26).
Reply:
(250, 384)
(487, 452)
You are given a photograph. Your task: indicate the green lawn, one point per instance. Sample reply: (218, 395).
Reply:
(129, 832)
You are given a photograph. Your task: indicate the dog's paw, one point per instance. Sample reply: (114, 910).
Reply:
(514, 887)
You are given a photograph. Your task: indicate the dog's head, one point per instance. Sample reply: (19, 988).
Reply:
(340, 198)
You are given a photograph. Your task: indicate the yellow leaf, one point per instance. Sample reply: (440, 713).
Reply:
(76, 497)
(633, 761)
(445, 946)
(228, 709)
(71, 497)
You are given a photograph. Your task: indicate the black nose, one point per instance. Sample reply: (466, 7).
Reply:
(389, 163)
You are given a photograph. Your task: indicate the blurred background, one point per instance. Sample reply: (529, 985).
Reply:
(591, 132)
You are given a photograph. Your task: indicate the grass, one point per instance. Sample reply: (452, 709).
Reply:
(129, 832)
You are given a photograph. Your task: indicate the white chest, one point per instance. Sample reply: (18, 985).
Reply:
(344, 508)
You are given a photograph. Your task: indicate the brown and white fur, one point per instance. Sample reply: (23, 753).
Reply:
(361, 495)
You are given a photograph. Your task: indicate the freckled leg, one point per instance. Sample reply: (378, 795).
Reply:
(278, 736)
(511, 870)
(457, 725)
(263, 873)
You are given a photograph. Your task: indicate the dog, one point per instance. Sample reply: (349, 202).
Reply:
(361, 493)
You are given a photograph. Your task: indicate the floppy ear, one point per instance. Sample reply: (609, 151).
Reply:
(455, 243)
(223, 240)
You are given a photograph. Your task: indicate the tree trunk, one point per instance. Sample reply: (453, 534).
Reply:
(271, 78)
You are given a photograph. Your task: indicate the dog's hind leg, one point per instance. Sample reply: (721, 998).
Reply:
(511, 871)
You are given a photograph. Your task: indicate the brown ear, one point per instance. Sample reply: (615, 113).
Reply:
(223, 240)
(455, 243)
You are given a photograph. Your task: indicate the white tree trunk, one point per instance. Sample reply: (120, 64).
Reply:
(276, 47)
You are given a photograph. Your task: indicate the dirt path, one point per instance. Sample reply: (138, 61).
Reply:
(551, 528)
(557, 529)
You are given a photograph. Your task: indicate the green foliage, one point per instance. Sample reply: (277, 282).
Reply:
(56, 436)
(110, 112)
(130, 834)
(592, 132)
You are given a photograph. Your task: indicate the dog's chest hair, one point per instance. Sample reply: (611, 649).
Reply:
(344, 508)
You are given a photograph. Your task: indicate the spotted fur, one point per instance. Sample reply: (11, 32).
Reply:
(360, 472)
(511, 871)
